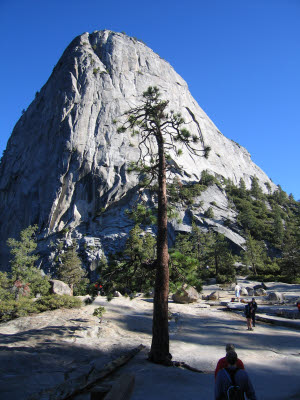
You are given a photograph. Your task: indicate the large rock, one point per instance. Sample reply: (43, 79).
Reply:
(244, 292)
(69, 135)
(59, 287)
(187, 294)
(260, 292)
(275, 297)
(214, 295)
(250, 291)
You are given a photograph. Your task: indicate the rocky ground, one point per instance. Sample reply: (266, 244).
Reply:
(42, 351)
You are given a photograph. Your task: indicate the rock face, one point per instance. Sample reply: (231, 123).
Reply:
(65, 166)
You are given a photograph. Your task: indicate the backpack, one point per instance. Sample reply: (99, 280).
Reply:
(234, 392)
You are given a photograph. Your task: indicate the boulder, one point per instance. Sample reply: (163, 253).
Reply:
(214, 295)
(187, 294)
(260, 292)
(244, 292)
(276, 297)
(59, 287)
(250, 291)
(258, 287)
(117, 294)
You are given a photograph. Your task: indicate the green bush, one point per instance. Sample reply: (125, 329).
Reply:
(11, 309)
(54, 301)
(209, 213)
(99, 311)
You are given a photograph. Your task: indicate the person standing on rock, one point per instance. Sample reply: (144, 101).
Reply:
(237, 291)
(248, 315)
(222, 363)
(233, 380)
(254, 308)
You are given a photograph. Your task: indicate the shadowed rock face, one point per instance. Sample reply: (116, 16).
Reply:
(65, 161)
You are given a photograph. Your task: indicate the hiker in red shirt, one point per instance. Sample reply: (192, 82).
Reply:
(222, 363)
(98, 288)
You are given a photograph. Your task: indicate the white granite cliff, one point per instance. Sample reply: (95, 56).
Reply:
(65, 161)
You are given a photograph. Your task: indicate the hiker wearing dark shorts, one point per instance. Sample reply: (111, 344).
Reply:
(233, 381)
(248, 315)
(254, 308)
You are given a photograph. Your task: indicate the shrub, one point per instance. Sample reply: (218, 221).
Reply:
(109, 297)
(11, 309)
(89, 300)
(209, 213)
(99, 311)
(55, 301)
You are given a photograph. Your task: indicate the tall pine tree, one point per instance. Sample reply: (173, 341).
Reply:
(159, 134)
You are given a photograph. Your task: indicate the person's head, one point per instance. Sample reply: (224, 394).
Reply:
(229, 347)
(231, 357)
(253, 300)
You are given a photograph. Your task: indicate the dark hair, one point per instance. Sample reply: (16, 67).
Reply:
(231, 357)
(229, 347)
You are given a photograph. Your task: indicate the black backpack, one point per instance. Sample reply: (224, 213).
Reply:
(234, 392)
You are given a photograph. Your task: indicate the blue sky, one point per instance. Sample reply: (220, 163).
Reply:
(240, 58)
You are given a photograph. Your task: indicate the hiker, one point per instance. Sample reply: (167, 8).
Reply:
(222, 363)
(248, 314)
(232, 382)
(237, 291)
(254, 308)
(98, 287)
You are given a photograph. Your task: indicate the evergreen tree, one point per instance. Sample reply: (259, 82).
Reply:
(280, 196)
(256, 190)
(278, 230)
(223, 260)
(184, 269)
(70, 270)
(254, 254)
(22, 252)
(290, 260)
(5, 286)
(159, 133)
(23, 260)
(243, 189)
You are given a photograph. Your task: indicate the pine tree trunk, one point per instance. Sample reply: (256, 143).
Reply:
(159, 352)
